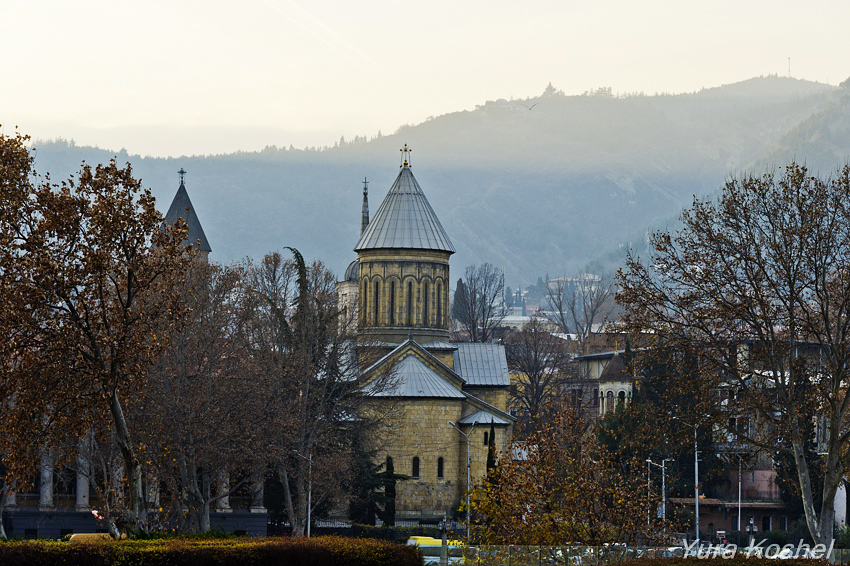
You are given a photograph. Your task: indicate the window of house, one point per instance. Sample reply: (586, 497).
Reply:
(595, 397)
(440, 467)
(735, 523)
(752, 477)
(414, 471)
(486, 438)
(765, 523)
(621, 398)
(610, 401)
(783, 523)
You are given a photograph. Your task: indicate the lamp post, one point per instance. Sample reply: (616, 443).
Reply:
(696, 475)
(309, 459)
(467, 471)
(663, 467)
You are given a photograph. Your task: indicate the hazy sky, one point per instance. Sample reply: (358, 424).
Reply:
(183, 77)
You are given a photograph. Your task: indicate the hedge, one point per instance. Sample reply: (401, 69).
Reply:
(318, 551)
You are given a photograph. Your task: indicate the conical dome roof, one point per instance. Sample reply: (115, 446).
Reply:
(405, 220)
(182, 206)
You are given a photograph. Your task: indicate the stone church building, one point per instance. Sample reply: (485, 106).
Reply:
(444, 395)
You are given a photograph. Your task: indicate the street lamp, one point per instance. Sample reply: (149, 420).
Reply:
(663, 467)
(309, 459)
(467, 471)
(696, 474)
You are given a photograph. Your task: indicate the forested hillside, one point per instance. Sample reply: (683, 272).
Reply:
(540, 185)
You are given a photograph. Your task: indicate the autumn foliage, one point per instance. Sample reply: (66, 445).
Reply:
(560, 487)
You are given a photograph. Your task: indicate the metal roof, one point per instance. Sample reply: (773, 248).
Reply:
(182, 206)
(482, 364)
(412, 378)
(483, 417)
(405, 219)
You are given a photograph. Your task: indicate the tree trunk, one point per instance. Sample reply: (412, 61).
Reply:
(132, 465)
(815, 525)
(3, 498)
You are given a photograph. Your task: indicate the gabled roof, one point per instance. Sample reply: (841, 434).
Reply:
(412, 378)
(416, 373)
(484, 417)
(482, 364)
(405, 219)
(182, 206)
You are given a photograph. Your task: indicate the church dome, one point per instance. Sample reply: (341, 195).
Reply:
(352, 272)
(405, 220)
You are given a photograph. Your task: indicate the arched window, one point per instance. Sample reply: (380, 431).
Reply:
(414, 471)
(392, 303)
(377, 301)
(364, 294)
(609, 405)
(439, 300)
(621, 398)
(440, 467)
(425, 322)
(410, 303)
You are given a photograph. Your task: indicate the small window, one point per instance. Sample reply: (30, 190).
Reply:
(486, 438)
(765, 523)
(414, 472)
(735, 523)
(440, 467)
(783, 523)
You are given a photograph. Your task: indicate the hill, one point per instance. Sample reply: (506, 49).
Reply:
(541, 185)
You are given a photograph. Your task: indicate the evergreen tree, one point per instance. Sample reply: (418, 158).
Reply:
(491, 449)
(390, 478)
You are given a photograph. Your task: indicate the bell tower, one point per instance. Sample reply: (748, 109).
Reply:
(404, 267)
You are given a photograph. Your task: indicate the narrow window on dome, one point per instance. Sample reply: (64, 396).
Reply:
(410, 303)
(425, 322)
(439, 300)
(377, 301)
(392, 303)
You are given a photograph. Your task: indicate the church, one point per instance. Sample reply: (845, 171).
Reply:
(446, 397)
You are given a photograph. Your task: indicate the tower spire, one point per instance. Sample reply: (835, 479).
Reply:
(364, 221)
(182, 172)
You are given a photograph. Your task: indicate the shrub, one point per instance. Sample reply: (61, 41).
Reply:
(322, 551)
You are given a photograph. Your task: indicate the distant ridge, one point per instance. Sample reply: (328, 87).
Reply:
(537, 191)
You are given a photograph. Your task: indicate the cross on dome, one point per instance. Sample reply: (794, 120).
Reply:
(405, 156)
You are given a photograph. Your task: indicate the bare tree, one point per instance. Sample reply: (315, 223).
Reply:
(205, 403)
(310, 362)
(538, 360)
(577, 305)
(757, 289)
(478, 306)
